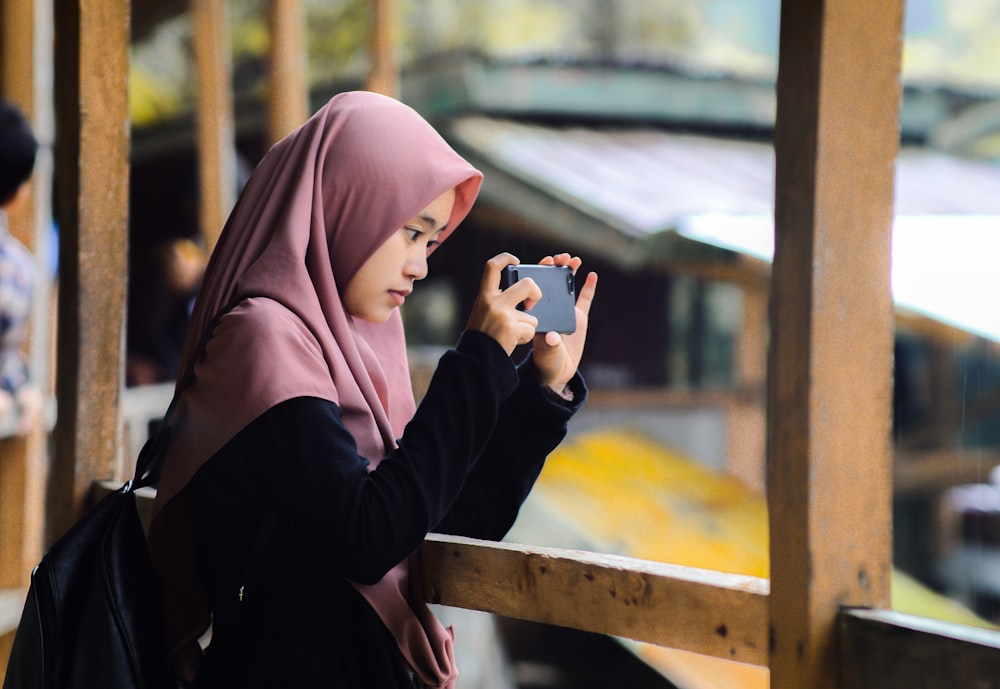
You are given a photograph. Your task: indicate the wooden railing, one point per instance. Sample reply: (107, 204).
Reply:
(711, 613)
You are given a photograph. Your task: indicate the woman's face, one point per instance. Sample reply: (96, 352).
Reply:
(386, 278)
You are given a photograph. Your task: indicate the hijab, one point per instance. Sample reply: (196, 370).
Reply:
(269, 326)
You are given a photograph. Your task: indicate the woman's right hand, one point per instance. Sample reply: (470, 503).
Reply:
(495, 311)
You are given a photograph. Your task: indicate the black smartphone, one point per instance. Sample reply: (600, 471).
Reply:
(556, 310)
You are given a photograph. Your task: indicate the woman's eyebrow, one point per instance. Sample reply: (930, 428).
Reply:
(431, 221)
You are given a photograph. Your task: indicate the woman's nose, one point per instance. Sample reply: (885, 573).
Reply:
(416, 266)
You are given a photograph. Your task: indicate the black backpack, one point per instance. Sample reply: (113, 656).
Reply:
(93, 615)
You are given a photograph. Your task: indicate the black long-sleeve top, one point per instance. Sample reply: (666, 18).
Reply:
(288, 511)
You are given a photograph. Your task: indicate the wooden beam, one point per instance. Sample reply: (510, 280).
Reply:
(829, 381)
(383, 76)
(716, 614)
(892, 650)
(933, 471)
(288, 83)
(214, 117)
(91, 72)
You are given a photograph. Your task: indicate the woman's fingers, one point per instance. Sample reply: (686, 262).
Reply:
(495, 312)
(494, 267)
(586, 295)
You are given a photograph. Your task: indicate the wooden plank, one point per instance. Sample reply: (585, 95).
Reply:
(936, 470)
(383, 75)
(214, 117)
(891, 650)
(91, 72)
(716, 614)
(288, 84)
(829, 397)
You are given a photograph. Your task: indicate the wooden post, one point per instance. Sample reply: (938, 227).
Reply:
(746, 418)
(91, 72)
(25, 64)
(829, 380)
(16, 52)
(216, 134)
(384, 74)
(288, 82)
(16, 460)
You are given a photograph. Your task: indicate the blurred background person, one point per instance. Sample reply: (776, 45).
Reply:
(20, 400)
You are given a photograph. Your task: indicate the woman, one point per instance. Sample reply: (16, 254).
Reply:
(298, 475)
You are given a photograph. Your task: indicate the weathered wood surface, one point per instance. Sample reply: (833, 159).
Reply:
(829, 398)
(722, 615)
(91, 72)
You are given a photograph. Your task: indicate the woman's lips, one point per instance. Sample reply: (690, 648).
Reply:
(398, 296)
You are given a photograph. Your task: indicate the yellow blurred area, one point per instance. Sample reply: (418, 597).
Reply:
(634, 496)
(150, 99)
(637, 497)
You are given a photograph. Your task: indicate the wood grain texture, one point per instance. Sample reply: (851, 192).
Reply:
(722, 615)
(829, 396)
(91, 72)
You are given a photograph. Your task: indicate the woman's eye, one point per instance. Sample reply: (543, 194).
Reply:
(431, 244)
(413, 234)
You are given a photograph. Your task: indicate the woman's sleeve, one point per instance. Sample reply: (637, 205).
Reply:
(530, 425)
(362, 523)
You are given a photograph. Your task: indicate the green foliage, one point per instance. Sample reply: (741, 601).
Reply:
(954, 44)
(337, 38)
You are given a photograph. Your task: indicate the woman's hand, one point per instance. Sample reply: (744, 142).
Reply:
(557, 356)
(495, 311)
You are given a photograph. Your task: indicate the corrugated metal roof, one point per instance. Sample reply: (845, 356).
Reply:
(649, 179)
(644, 183)
(646, 180)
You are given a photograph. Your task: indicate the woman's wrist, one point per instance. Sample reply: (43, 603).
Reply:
(558, 394)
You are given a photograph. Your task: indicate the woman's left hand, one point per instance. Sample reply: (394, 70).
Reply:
(558, 355)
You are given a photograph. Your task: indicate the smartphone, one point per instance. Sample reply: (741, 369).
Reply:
(556, 310)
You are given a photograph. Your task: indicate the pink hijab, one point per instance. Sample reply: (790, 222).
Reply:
(320, 202)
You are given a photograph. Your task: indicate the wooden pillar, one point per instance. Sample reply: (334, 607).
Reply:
(384, 74)
(16, 52)
(829, 379)
(16, 460)
(25, 42)
(216, 133)
(91, 80)
(747, 421)
(288, 82)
